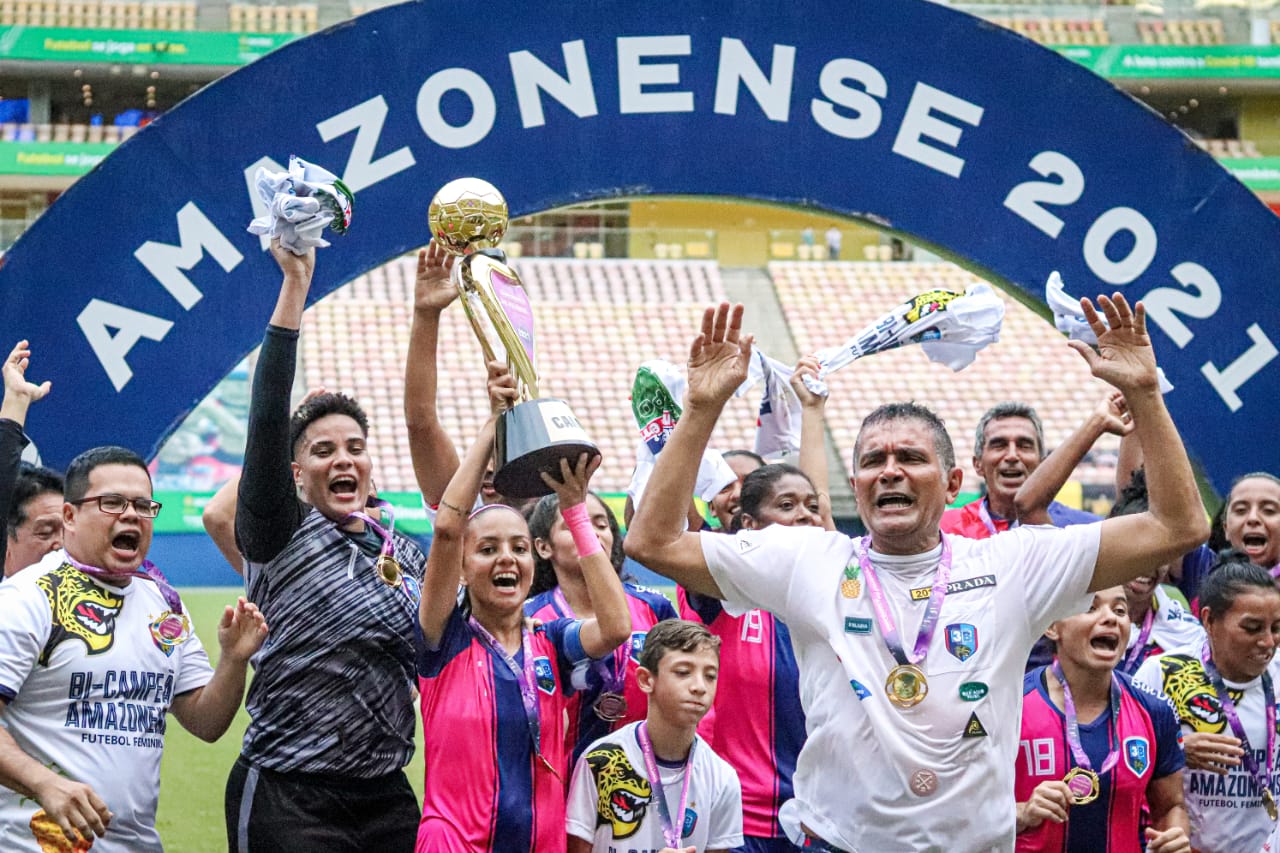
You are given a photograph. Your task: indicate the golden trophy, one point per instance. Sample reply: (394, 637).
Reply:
(468, 218)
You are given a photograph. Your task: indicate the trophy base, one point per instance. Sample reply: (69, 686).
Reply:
(533, 437)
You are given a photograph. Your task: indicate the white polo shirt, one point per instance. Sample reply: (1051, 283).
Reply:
(854, 778)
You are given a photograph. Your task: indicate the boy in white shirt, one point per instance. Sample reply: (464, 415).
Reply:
(613, 805)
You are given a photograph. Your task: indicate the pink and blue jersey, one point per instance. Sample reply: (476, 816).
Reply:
(647, 609)
(1150, 748)
(759, 722)
(485, 790)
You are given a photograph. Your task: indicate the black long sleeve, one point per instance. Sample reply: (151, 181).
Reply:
(268, 511)
(12, 442)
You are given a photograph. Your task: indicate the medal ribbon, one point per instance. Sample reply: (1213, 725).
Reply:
(1261, 779)
(147, 571)
(1137, 653)
(671, 831)
(524, 677)
(985, 514)
(614, 677)
(1078, 754)
(888, 628)
(385, 533)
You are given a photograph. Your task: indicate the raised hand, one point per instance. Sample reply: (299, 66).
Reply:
(241, 630)
(719, 357)
(433, 288)
(1113, 415)
(1124, 358)
(297, 266)
(572, 485)
(807, 366)
(503, 391)
(19, 392)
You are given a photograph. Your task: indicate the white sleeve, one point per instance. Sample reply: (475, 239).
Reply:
(1051, 569)
(1148, 677)
(23, 632)
(724, 831)
(194, 670)
(580, 808)
(757, 568)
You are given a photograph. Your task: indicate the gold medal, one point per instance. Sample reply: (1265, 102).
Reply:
(1269, 803)
(388, 570)
(1083, 784)
(906, 685)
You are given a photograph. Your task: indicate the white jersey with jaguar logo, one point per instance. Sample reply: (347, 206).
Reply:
(89, 672)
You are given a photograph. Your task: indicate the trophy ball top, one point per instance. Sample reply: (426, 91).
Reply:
(466, 215)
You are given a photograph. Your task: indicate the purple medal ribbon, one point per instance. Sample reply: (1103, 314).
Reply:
(525, 677)
(1138, 653)
(1078, 754)
(614, 677)
(147, 571)
(672, 832)
(385, 533)
(1263, 781)
(1275, 571)
(888, 628)
(985, 514)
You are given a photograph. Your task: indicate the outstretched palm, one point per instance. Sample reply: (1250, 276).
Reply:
(433, 288)
(1124, 357)
(719, 357)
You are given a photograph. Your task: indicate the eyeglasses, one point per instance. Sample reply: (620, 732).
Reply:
(117, 504)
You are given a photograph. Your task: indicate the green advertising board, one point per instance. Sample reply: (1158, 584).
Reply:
(1149, 61)
(51, 158)
(1256, 173)
(137, 47)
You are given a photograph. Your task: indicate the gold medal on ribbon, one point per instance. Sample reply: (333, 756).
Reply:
(906, 685)
(388, 570)
(1083, 784)
(1269, 803)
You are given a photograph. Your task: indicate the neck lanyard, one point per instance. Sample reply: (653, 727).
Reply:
(984, 513)
(615, 676)
(1139, 651)
(384, 533)
(1262, 777)
(672, 832)
(147, 571)
(525, 677)
(888, 628)
(1072, 725)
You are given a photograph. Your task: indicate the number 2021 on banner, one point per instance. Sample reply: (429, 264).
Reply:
(1064, 186)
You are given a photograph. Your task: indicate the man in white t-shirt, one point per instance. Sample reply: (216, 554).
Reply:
(913, 749)
(95, 650)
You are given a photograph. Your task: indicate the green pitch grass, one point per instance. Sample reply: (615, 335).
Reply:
(193, 774)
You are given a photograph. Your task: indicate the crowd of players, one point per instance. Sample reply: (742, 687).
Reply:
(816, 691)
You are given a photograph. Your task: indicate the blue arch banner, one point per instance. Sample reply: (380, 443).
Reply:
(140, 287)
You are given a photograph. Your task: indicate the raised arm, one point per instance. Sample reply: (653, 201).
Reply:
(813, 443)
(267, 512)
(19, 394)
(434, 458)
(219, 520)
(444, 561)
(1031, 503)
(1175, 523)
(659, 537)
(611, 625)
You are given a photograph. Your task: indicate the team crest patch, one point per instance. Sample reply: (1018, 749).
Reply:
(1137, 754)
(622, 794)
(863, 693)
(637, 645)
(81, 610)
(962, 640)
(170, 630)
(544, 676)
(690, 822)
